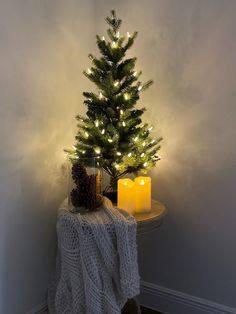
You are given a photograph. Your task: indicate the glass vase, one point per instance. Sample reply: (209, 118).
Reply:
(84, 184)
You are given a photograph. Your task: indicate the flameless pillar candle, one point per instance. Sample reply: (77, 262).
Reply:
(143, 194)
(126, 195)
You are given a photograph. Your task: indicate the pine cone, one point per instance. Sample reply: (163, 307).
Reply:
(90, 199)
(76, 198)
(78, 172)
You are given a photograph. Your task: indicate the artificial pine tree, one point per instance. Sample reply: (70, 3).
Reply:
(112, 126)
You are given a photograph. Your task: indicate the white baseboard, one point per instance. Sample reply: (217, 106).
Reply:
(40, 308)
(175, 302)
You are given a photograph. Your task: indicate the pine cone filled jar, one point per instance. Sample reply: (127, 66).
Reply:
(84, 184)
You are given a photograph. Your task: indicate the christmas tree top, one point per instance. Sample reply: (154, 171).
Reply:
(112, 127)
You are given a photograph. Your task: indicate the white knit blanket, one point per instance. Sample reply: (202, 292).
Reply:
(97, 269)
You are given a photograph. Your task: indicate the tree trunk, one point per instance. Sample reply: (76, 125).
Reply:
(113, 183)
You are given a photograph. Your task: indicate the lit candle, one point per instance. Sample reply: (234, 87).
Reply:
(142, 194)
(126, 195)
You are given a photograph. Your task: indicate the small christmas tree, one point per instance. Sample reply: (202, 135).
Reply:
(113, 127)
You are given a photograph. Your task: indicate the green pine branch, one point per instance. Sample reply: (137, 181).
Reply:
(113, 126)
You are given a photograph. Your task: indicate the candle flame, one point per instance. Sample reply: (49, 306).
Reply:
(142, 182)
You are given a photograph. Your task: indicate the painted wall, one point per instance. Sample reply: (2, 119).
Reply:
(188, 47)
(43, 50)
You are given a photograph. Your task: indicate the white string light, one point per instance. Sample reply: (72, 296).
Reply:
(103, 131)
(117, 34)
(83, 152)
(97, 123)
(110, 140)
(121, 112)
(114, 45)
(145, 164)
(129, 154)
(139, 88)
(116, 83)
(118, 153)
(117, 166)
(150, 129)
(135, 73)
(142, 155)
(89, 71)
(128, 34)
(135, 139)
(100, 95)
(97, 150)
(86, 134)
(123, 123)
(144, 144)
(103, 38)
(153, 141)
(74, 147)
(126, 96)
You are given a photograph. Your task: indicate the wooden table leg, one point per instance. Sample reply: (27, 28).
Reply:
(131, 307)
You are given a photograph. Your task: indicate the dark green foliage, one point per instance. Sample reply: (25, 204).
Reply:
(112, 127)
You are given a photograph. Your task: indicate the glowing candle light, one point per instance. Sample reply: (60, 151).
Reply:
(126, 195)
(142, 194)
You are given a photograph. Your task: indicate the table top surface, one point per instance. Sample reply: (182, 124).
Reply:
(146, 222)
(150, 221)
(158, 211)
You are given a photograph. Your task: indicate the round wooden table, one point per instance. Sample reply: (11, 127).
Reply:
(148, 222)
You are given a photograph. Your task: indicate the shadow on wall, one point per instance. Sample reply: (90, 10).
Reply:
(41, 65)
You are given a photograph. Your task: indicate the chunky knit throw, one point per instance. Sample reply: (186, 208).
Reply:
(97, 269)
